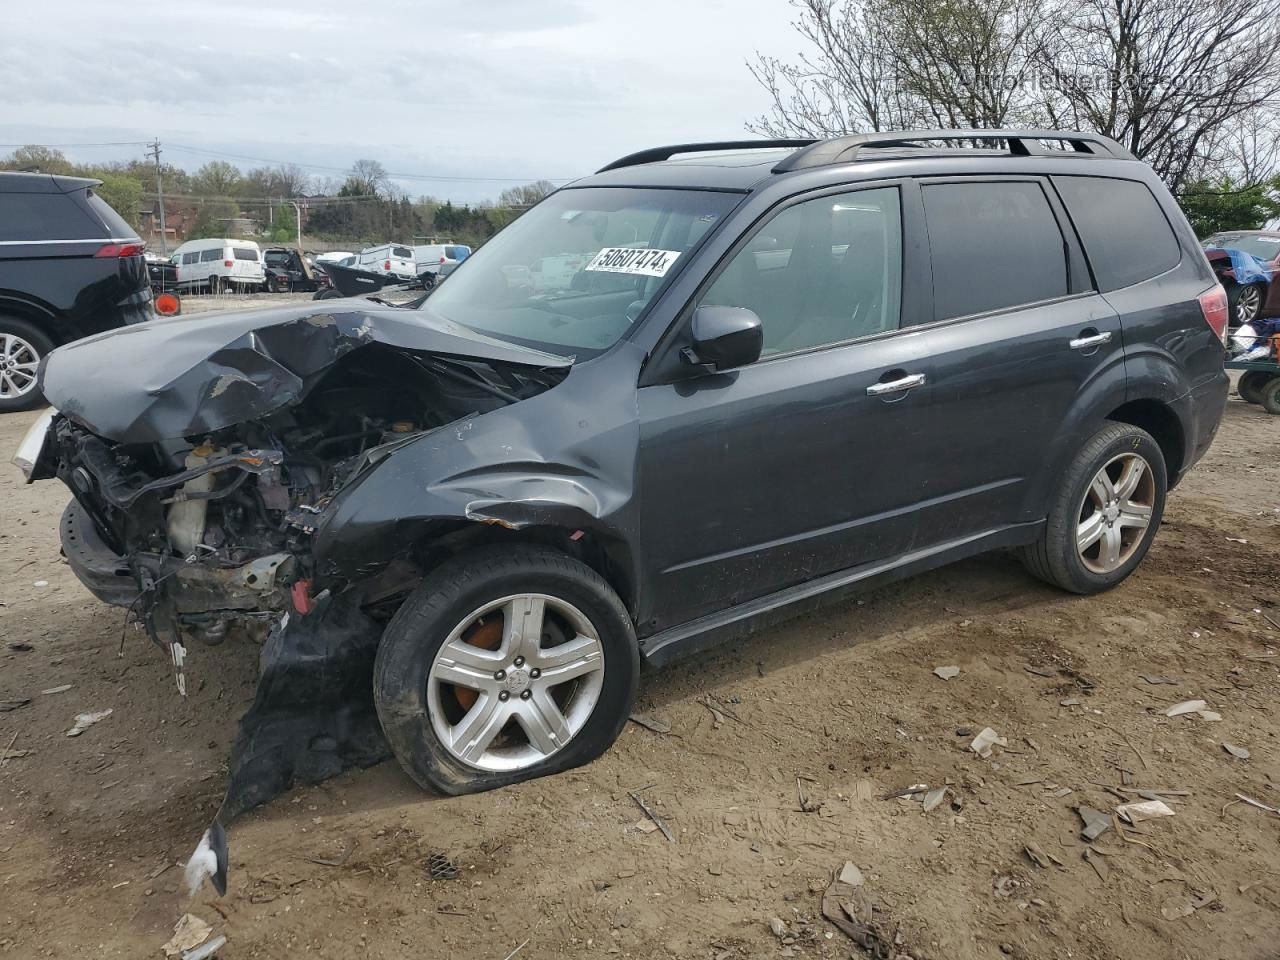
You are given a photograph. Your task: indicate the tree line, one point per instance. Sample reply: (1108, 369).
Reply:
(363, 208)
(1192, 87)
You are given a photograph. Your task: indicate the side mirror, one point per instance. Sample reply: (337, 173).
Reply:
(725, 337)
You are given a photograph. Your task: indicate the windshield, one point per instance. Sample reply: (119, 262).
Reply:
(571, 275)
(1264, 248)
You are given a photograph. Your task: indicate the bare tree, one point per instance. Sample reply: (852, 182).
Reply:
(1166, 78)
(525, 195)
(369, 176)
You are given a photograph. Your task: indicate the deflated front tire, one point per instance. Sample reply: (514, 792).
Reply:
(504, 665)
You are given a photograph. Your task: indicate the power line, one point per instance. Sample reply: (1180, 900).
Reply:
(117, 143)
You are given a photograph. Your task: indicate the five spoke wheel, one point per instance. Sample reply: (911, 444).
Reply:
(515, 681)
(1115, 513)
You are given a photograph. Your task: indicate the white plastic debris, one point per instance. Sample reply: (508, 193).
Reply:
(59, 689)
(86, 720)
(1186, 706)
(1239, 753)
(851, 875)
(933, 798)
(946, 673)
(985, 740)
(1144, 810)
(1209, 715)
(41, 583)
(189, 932)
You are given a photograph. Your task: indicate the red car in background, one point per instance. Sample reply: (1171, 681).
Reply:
(1250, 300)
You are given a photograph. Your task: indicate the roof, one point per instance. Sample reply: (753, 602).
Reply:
(15, 182)
(740, 166)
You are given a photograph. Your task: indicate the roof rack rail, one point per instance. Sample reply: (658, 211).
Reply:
(655, 154)
(1024, 143)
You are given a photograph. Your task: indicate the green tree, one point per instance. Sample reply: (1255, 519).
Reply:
(38, 159)
(217, 178)
(123, 193)
(210, 221)
(1213, 206)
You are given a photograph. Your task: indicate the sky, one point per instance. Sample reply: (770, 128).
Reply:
(505, 91)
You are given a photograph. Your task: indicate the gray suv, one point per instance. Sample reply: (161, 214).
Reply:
(677, 401)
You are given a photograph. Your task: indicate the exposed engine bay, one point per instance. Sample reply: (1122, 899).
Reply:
(207, 458)
(217, 528)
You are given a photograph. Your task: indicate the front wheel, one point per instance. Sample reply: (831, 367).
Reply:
(1251, 384)
(1246, 302)
(504, 665)
(1104, 514)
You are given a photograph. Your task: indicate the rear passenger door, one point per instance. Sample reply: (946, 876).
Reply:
(1017, 335)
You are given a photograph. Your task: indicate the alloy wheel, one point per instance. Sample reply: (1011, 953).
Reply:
(515, 681)
(1115, 513)
(18, 363)
(1248, 304)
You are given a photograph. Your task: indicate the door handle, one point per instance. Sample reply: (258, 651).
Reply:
(896, 386)
(1097, 340)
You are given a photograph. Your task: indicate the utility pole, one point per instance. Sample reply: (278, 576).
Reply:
(298, 210)
(164, 237)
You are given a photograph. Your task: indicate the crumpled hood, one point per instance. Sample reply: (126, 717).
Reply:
(190, 375)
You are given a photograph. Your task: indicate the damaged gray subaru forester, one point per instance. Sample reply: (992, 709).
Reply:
(681, 399)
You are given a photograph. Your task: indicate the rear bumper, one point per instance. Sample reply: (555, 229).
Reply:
(1204, 408)
(103, 572)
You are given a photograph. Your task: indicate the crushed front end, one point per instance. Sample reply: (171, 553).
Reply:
(201, 473)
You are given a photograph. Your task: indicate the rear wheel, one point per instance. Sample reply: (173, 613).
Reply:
(1269, 395)
(1251, 384)
(328, 293)
(505, 665)
(22, 345)
(1105, 513)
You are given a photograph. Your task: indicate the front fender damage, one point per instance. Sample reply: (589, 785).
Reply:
(313, 717)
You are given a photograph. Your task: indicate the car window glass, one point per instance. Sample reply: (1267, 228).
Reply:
(1262, 247)
(191, 257)
(246, 253)
(207, 256)
(402, 252)
(115, 224)
(48, 216)
(1126, 235)
(993, 245)
(822, 271)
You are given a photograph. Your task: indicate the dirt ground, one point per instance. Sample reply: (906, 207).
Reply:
(845, 705)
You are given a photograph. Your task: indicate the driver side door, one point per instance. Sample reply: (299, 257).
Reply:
(802, 463)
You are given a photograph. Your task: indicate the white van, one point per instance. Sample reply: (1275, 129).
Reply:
(394, 259)
(440, 257)
(218, 264)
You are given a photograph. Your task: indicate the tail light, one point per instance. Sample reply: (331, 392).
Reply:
(118, 250)
(1213, 304)
(228, 263)
(442, 259)
(387, 266)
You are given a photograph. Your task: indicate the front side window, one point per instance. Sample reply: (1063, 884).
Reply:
(820, 272)
(994, 246)
(575, 272)
(192, 257)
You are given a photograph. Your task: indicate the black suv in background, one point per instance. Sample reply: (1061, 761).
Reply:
(672, 403)
(69, 266)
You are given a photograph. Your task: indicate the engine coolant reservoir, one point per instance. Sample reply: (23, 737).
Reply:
(186, 517)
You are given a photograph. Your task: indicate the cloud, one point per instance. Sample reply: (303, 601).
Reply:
(494, 88)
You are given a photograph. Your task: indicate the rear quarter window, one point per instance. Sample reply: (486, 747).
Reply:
(1125, 234)
(402, 252)
(208, 256)
(994, 246)
(244, 253)
(115, 224)
(49, 216)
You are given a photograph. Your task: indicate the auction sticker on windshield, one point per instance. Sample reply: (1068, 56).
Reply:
(639, 261)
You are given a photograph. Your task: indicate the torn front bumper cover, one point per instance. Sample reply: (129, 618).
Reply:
(312, 718)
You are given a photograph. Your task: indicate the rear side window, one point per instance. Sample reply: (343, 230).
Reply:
(402, 252)
(244, 253)
(207, 256)
(192, 257)
(115, 224)
(49, 216)
(1125, 233)
(994, 245)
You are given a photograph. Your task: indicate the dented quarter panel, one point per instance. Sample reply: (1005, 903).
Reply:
(191, 375)
(565, 458)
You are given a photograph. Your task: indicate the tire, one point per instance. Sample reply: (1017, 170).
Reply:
(1251, 384)
(22, 344)
(1269, 395)
(328, 293)
(418, 710)
(1246, 302)
(1056, 558)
